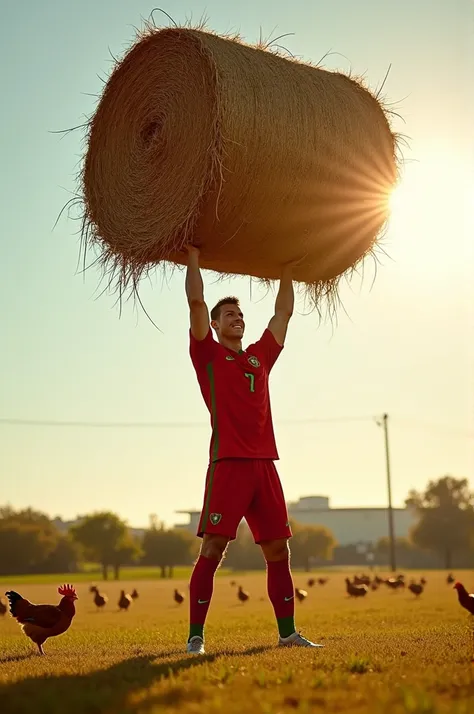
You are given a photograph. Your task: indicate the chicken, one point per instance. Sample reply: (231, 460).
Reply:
(415, 588)
(395, 583)
(100, 599)
(361, 580)
(178, 597)
(301, 595)
(354, 590)
(322, 581)
(374, 586)
(242, 594)
(423, 581)
(3, 607)
(465, 599)
(39, 622)
(135, 594)
(311, 582)
(125, 600)
(233, 583)
(450, 579)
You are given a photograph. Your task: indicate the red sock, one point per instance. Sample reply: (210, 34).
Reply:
(281, 592)
(200, 593)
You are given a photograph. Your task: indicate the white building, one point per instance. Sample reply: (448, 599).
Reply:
(349, 526)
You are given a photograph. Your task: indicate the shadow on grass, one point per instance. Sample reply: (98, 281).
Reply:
(108, 690)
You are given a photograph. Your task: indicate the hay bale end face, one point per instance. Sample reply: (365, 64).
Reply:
(257, 159)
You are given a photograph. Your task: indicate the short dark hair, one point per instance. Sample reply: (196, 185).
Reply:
(216, 310)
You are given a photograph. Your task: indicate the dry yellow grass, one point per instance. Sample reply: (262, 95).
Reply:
(386, 654)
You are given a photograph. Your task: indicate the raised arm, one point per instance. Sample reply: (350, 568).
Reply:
(284, 304)
(198, 312)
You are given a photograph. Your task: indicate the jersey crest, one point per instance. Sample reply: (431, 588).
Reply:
(215, 518)
(254, 361)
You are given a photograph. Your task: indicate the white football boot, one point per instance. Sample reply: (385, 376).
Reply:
(296, 640)
(195, 646)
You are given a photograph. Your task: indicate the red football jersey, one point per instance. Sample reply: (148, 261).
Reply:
(235, 388)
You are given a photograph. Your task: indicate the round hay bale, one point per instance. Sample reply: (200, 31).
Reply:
(258, 159)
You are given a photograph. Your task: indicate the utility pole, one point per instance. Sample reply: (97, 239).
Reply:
(391, 528)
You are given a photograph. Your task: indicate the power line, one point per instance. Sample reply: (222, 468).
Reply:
(162, 425)
(402, 421)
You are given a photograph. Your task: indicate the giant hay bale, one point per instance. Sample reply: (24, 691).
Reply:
(256, 158)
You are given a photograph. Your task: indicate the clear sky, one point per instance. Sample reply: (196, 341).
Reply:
(405, 346)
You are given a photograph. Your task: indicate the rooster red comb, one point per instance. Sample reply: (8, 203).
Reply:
(67, 591)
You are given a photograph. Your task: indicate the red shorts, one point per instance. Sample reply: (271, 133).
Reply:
(244, 488)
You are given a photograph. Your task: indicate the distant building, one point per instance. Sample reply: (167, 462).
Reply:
(349, 526)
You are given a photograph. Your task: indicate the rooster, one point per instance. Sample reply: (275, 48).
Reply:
(450, 579)
(465, 599)
(3, 607)
(135, 594)
(395, 583)
(125, 600)
(311, 582)
(242, 594)
(301, 595)
(356, 590)
(322, 581)
(39, 622)
(178, 597)
(100, 599)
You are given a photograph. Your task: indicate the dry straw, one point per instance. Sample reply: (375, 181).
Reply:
(256, 158)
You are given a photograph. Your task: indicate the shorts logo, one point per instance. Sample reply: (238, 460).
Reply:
(215, 518)
(229, 358)
(254, 361)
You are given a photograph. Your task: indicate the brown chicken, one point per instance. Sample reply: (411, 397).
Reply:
(423, 581)
(322, 581)
(3, 607)
(39, 622)
(135, 595)
(311, 582)
(301, 595)
(356, 590)
(395, 583)
(361, 580)
(125, 600)
(100, 599)
(450, 579)
(465, 599)
(242, 594)
(416, 588)
(178, 597)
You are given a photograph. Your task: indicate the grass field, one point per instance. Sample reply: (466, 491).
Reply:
(386, 654)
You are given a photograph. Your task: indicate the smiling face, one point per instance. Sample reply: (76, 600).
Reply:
(228, 321)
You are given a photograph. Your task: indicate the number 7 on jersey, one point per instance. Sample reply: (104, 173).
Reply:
(251, 377)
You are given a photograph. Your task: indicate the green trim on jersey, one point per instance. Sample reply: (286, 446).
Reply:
(215, 447)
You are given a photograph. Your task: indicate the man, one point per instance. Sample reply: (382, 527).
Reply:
(241, 480)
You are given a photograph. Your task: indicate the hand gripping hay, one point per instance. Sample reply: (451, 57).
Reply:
(257, 159)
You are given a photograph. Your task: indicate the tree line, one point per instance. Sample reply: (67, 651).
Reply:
(30, 542)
